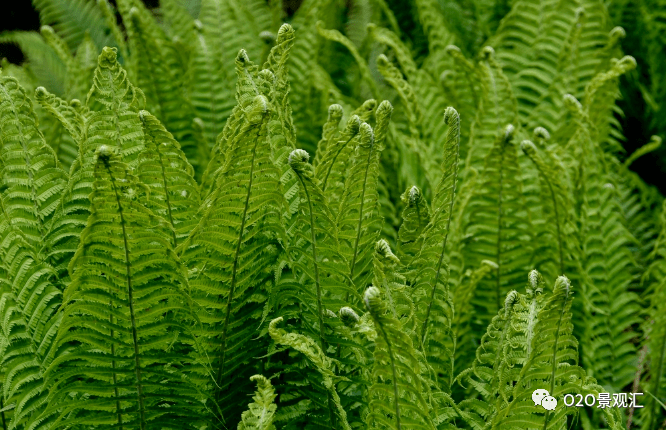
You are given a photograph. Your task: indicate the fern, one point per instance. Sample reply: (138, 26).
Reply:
(231, 255)
(170, 259)
(33, 178)
(124, 314)
(261, 412)
(397, 396)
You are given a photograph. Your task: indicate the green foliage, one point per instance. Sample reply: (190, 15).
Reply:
(334, 234)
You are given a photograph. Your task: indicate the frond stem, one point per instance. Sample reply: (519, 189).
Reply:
(554, 366)
(168, 201)
(395, 376)
(234, 274)
(130, 299)
(320, 313)
(333, 160)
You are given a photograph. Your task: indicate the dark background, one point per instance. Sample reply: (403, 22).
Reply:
(20, 15)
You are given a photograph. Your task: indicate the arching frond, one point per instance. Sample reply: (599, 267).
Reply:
(125, 319)
(32, 177)
(231, 253)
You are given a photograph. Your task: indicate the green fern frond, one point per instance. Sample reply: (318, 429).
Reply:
(126, 317)
(231, 254)
(321, 363)
(551, 365)
(161, 78)
(606, 261)
(397, 399)
(655, 328)
(415, 218)
(557, 212)
(115, 102)
(72, 19)
(30, 170)
(163, 167)
(358, 219)
(29, 319)
(431, 273)
(313, 253)
(260, 413)
(499, 222)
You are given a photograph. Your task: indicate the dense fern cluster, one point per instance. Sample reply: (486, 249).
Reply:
(368, 217)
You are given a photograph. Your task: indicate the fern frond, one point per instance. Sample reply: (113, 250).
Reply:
(116, 102)
(260, 413)
(321, 363)
(499, 221)
(163, 167)
(557, 213)
(415, 218)
(655, 329)
(551, 365)
(29, 319)
(124, 314)
(31, 173)
(231, 254)
(161, 78)
(606, 260)
(331, 172)
(125, 319)
(358, 219)
(72, 19)
(431, 278)
(246, 91)
(397, 395)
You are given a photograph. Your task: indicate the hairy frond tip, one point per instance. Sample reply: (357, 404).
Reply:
(104, 152)
(541, 133)
(372, 300)
(260, 107)
(509, 131)
(367, 135)
(383, 61)
(198, 25)
(143, 114)
(384, 109)
(452, 50)
(368, 105)
(348, 316)
(487, 52)
(511, 299)
(625, 64)
(562, 283)
(572, 103)
(384, 249)
(108, 57)
(616, 34)
(451, 116)
(41, 93)
(528, 147)
(414, 195)
(353, 125)
(335, 112)
(242, 58)
(329, 314)
(535, 281)
(286, 32)
(298, 156)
